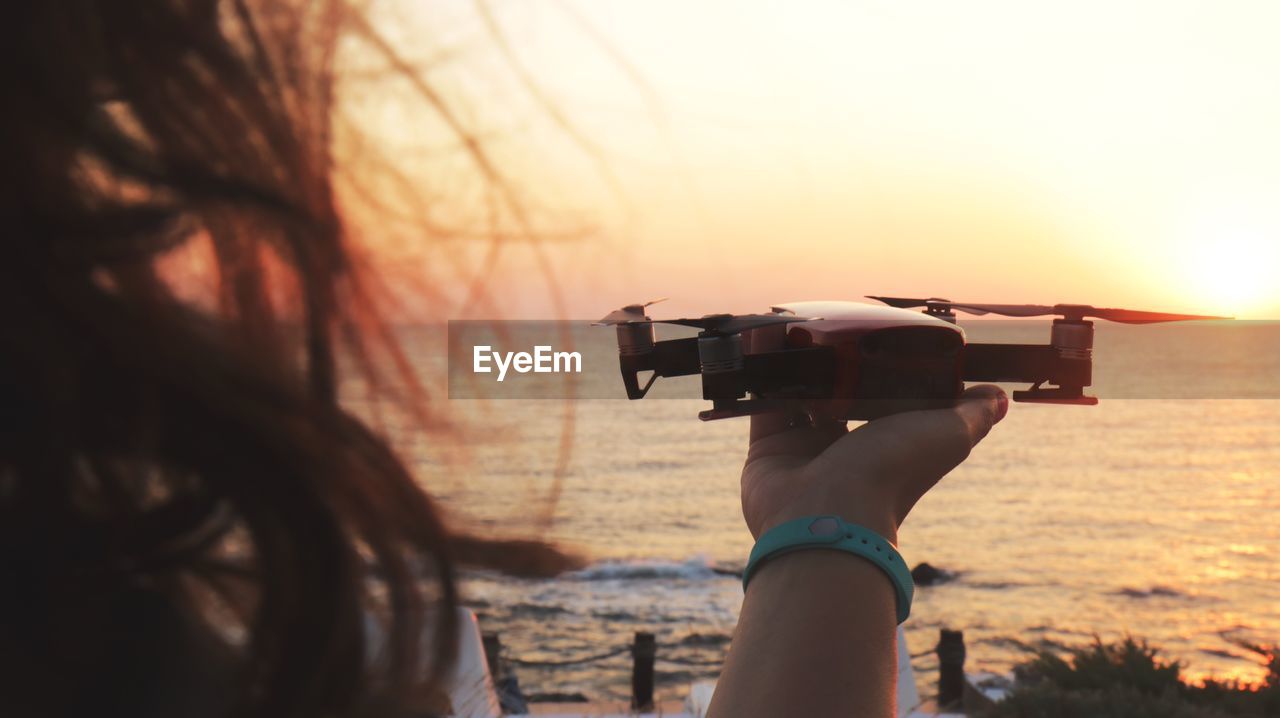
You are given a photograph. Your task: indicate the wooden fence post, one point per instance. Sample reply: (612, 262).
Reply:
(643, 653)
(492, 649)
(950, 652)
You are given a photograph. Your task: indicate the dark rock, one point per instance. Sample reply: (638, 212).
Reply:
(926, 575)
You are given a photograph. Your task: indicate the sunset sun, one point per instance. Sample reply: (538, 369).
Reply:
(1230, 266)
(1235, 273)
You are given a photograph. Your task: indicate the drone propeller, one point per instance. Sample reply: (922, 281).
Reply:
(734, 323)
(1070, 311)
(1130, 316)
(904, 303)
(630, 314)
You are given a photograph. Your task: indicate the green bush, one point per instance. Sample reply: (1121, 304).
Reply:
(1129, 680)
(1046, 700)
(1132, 664)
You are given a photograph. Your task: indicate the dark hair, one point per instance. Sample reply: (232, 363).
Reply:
(189, 519)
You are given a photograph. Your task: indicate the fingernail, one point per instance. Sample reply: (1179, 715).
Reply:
(1002, 406)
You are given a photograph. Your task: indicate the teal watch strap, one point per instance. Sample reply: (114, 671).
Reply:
(831, 532)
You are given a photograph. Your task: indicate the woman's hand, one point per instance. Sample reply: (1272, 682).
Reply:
(870, 476)
(816, 632)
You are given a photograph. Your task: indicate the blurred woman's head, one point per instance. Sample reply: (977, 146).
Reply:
(188, 516)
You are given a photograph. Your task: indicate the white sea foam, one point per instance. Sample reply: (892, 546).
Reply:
(697, 568)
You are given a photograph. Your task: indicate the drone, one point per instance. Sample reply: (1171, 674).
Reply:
(843, 361)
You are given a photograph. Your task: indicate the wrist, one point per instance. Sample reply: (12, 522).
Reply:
(822, 570)
(842, 539)
(882, 521)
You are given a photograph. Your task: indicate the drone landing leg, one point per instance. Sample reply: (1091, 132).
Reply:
(1056, 395)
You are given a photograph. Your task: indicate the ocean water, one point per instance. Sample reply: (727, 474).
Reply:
(1155, 518)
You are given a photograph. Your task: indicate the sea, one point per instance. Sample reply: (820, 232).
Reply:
(1151, 515)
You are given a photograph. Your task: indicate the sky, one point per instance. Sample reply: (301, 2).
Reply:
(733, 155)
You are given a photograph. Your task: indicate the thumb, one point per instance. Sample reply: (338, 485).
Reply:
(923, 444)
(981, 407)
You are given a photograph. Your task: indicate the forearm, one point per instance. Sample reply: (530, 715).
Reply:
(816, 637)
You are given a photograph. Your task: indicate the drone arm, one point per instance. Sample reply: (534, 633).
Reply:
(676, 357)
(1030, 363)
(673, 357)
(1034, 364)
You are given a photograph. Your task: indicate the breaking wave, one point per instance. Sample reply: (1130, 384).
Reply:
(697, 568)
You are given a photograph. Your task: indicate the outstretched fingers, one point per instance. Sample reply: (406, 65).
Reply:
(908, 453)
